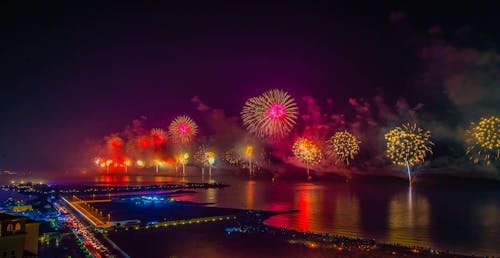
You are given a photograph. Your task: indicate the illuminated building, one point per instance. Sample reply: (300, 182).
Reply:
(18, 236)
(22, 208)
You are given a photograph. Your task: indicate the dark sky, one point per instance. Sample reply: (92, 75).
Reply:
(76, 71)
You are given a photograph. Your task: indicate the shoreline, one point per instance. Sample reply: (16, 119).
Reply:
(251, 226)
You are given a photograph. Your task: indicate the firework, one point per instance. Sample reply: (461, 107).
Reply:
(108, 163)
(483, 140)
(306, 151)
(183, 158)
(344, 146)
(115, 146)
(144, 142)
(182, 129)
(408, 145)
(158, 163)
(159, 136)
(249, 155)
(140, 163)
(210, 159)
(271, 115)
(246, 156)
(115, 142)
(126, 163)
(205, 158)
(199, 157)
(232, 157)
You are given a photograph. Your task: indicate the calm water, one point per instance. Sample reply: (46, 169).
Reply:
(455, 217)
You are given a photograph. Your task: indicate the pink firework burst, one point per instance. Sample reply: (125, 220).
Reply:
(271, 115)
(276, 111)
(182, 129)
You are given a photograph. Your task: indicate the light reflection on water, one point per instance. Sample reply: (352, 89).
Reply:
(456, 218)
(409, 217)
(461, 218)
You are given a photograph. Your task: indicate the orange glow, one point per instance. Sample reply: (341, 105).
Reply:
(170, 162)
(140, 163)
(159, 179)
(183, 158)
(249, 151)
(312, 245)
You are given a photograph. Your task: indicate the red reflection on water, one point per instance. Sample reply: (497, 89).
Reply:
(158, 179)
(108, 180)
(250, 193)
(304, 201)
(164, 179)
(303, 223)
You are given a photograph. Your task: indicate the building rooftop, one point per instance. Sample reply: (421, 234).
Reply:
(9, 216)
(4, 216)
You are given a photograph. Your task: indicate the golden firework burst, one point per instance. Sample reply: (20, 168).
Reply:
(343, 146)
(483, 140)
(306, 151)
(408, 145)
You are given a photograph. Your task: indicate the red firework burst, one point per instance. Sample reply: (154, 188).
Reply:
(159, 136)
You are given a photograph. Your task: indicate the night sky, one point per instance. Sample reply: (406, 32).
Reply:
(74, 72)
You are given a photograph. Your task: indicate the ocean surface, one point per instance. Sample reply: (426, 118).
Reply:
(456, 216)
